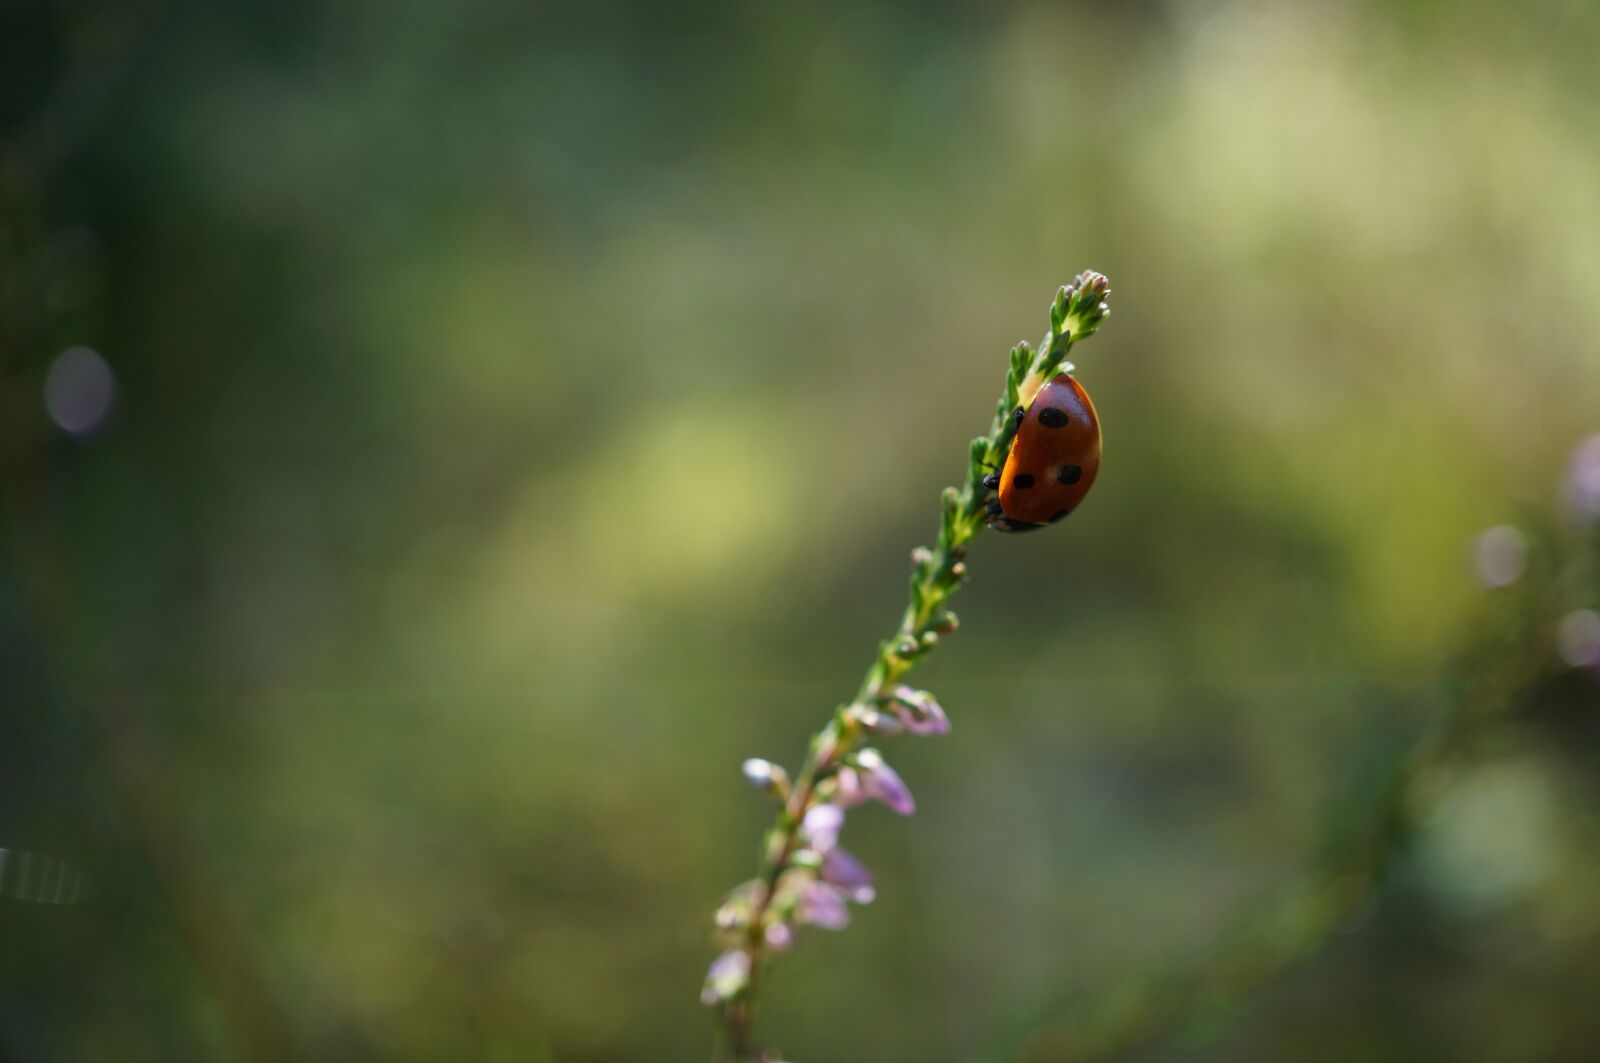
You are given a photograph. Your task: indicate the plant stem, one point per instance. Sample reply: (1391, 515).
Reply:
(937, 574)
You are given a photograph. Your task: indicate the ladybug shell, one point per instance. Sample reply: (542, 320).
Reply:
(1054, 457)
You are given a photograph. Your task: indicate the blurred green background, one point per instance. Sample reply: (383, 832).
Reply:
(523, 413)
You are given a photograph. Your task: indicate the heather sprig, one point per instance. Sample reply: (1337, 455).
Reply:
(806, 879)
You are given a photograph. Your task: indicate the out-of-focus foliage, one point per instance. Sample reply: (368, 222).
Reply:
(521, 415)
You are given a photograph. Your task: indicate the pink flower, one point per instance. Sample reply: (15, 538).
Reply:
(823, 905)
(850, 875)
(821, 826)
(919, 712)
(883, 783)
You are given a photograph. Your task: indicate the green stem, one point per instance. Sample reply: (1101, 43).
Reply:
(937, 574)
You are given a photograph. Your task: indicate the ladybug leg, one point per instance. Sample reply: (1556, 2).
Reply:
(1002, 523)
(992, 481)
(1017, 414)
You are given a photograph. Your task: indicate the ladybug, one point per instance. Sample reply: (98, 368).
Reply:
(1054, 457)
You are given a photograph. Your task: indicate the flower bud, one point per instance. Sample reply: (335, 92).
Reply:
(879, 723)
(848, 791)
(821, 826)
(727, 977)
(1092, 284)
(766, 776)
(883, 783)
(848, 874)
(822, 905)
(920, 713)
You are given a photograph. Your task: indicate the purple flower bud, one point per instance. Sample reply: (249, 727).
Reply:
(728, 976)
(1091, 282)
(821, 826)
(822, 905)
(1583, 479)
(876, 721)
(884, 783)
(841, 869)
(921, 714)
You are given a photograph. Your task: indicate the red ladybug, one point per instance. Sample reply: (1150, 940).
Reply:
(1053, 460)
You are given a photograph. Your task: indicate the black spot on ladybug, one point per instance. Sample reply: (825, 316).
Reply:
(1053, 417)
(1069, 474)
(1057, 516)
(1022, 480)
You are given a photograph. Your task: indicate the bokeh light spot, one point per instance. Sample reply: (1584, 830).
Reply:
(79, 391)
(1500, 555)
(1578, 638)
(1494, 839)
(1583, 479)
